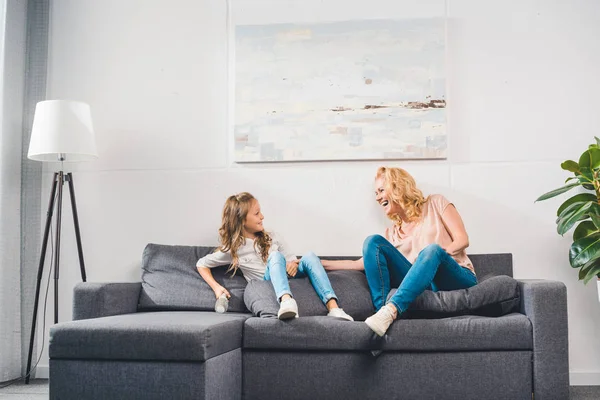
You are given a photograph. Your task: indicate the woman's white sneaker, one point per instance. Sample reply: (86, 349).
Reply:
(381, 320)
(339, 313)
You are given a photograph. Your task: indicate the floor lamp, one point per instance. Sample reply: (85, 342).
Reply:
(62, 132)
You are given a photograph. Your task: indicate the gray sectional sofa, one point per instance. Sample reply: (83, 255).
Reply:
(161, 339)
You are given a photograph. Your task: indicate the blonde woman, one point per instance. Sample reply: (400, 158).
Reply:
(246, 245)
(423, 249)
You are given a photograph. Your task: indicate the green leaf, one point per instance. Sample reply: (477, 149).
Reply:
(584, 250)
(578, 198)
(589, 270)
(583, 271)
(570, 165)
(585, 175)
(595, 153)
(590, 158)
(585, 159)
(571, 209)
(584, 229)
(558, 191)
(595, 219)
(571, 215)
(597, 141)
(591, 273)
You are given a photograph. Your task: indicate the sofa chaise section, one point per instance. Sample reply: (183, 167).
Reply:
(148, 355)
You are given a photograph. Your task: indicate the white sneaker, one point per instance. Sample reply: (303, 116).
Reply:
(339, 313)
(381, 320)
(288, 309)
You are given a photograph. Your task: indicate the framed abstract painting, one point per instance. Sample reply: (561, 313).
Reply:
(338, 87)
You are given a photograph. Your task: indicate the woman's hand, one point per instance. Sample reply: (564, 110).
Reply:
(292, 267)
(452, 250)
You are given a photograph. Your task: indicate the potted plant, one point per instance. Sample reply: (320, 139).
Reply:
(582, 211)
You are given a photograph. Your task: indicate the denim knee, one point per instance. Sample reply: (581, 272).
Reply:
(372, 241)
(431, 250)
(310, 257)
(275, 257)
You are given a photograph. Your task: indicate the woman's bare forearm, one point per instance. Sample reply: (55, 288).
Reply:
(458, 245)
(332, 265)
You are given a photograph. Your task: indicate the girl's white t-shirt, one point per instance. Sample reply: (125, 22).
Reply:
(251, 263)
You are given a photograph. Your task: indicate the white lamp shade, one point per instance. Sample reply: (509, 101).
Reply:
(62, 131)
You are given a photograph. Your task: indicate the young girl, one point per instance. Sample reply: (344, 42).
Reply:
(246, 245)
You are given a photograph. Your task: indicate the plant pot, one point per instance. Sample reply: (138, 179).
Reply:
(598, 282)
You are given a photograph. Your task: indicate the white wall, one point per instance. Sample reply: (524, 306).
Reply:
(523, 96)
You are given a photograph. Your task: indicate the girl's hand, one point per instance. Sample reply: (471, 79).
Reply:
(220, 290)
(292, 267)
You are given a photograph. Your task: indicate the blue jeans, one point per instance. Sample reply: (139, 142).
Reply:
(310, 265)
(433, 269)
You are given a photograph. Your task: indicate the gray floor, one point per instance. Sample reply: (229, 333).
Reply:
(38, 390)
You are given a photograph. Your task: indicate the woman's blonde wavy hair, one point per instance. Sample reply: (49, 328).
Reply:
(402, 189)
(231, 231)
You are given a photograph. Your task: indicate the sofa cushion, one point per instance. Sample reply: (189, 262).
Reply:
(165, 335)
(463, 333)
(350, 288)
(496, 296)
(170, 280)
(488, 265)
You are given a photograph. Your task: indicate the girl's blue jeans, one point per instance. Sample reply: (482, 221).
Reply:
(310, 266)
(434, 269)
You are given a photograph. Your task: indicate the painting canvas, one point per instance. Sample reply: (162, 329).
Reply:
(349, 90)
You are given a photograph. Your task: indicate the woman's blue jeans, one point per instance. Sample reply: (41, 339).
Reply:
(310, 266)
(434, 269)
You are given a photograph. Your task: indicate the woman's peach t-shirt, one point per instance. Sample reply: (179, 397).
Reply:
(430, 228)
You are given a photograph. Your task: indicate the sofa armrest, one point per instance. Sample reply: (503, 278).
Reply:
(544, 302)
(93, 300)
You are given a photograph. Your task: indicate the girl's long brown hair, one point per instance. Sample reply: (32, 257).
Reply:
(403, 190)
(231, 231)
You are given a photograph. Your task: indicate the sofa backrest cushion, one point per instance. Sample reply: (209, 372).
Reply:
(350, 287)
(495, 296)
(170, 281)
(488, 265)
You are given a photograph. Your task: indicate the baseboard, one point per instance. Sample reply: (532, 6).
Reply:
(42, 372)
(584, 378)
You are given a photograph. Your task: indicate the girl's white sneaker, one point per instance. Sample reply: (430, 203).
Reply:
(339, 313)
(288, 309)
